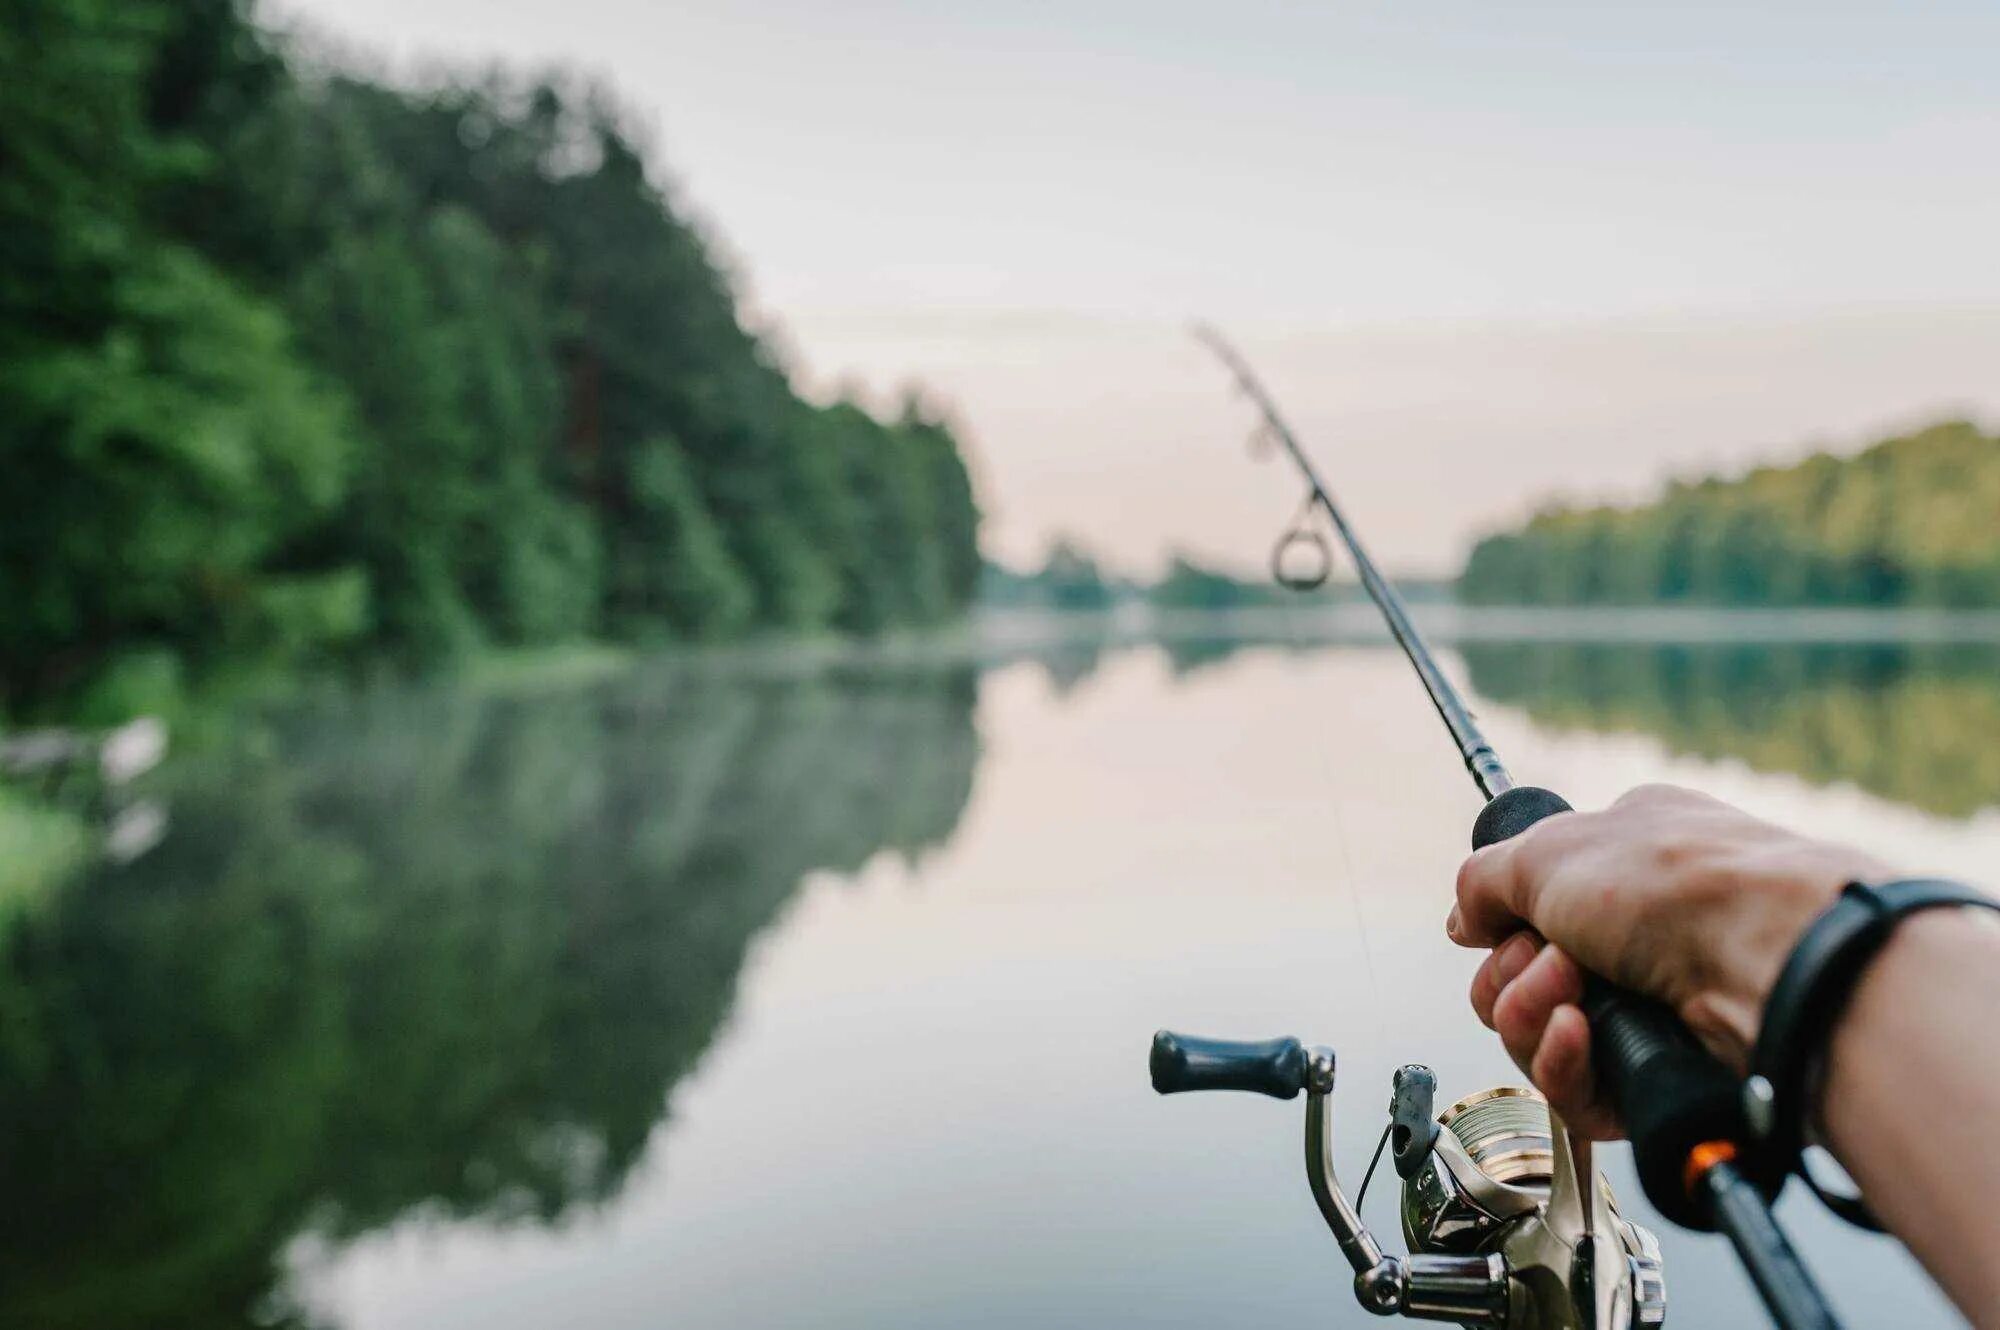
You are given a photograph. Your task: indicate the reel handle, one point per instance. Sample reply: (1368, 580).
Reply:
(1181, 1062)
(1670, 1092)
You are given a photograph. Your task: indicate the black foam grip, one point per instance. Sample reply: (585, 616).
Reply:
(1671, 1094)
(1512, 812)
(1276, 1067)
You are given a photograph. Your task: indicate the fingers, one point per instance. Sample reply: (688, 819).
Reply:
(1528, 992)
(1521, 1011)
(1497, 886)
(1567, 877)
(1562, 1071)
(1500, 968)
(1501, 887)
(1485, 911)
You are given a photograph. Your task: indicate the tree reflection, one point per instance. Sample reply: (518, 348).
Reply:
(1917, 724)
(420, 949)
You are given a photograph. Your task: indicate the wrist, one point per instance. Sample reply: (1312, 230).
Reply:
(1773, 894)
(1871, 928)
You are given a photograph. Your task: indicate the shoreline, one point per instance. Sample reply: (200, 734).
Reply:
(1449, 622)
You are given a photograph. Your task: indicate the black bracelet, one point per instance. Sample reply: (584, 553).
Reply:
(1807, 1001)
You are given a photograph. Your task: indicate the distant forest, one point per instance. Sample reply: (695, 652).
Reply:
(296, 363)
(1913, 520)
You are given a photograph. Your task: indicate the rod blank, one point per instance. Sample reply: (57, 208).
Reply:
(1487, 771)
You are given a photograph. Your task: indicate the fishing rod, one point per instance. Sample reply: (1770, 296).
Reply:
(1508, 1221)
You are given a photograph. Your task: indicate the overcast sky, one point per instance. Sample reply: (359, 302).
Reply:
(1484, 253)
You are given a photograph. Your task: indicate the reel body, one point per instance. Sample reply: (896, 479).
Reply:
(1489, 1184)
(1508, 1222)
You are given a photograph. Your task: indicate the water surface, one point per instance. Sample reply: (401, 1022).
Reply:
(769, 994)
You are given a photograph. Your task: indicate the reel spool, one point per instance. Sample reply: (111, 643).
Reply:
(1509, 1224)
(1489, 1184)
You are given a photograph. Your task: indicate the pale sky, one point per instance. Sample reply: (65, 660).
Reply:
(1483, 253)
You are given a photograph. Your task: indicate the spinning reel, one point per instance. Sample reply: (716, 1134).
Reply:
(1508, 1222)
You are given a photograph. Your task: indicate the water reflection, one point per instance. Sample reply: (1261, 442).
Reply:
(1918, 724)
(418, 967)
(420, 949)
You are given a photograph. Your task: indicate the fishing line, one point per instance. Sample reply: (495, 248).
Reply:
(1303, 535)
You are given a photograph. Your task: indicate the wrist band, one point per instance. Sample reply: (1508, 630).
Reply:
(1812, 991)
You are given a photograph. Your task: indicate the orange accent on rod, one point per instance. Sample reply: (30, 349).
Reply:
(1704, 1157)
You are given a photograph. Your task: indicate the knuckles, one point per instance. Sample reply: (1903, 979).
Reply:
(1655, 794)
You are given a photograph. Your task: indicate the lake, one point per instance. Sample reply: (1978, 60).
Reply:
(762, 990)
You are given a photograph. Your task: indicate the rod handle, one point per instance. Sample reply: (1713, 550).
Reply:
(1182, 1062)
(1670, 1092)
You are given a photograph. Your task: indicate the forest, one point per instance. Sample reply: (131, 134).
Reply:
(1908, 521)
(301, 366)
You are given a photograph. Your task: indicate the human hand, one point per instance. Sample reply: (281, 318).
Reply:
(1668, 893)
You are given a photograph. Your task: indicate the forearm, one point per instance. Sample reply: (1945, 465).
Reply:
(1912, 1098)
(1685, 899)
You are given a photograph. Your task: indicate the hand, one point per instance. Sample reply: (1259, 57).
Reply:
(1668, 893)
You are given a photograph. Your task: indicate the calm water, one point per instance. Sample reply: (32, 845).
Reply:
(768, 996)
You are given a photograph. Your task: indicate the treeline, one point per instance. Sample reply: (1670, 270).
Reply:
(293, 361)
(1913, 520)
(1070, 579)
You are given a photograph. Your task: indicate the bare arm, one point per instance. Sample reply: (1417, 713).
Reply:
(1682, 897)
(1912, 1099)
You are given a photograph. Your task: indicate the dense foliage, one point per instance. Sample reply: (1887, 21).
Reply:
(1912, 520)
(294, 361)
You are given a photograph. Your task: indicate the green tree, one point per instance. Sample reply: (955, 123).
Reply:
(671, 565)
(167, 453)
(290, 363)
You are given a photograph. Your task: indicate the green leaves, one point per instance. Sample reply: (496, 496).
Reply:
(158, 467)
(289, 366)
(671, 569)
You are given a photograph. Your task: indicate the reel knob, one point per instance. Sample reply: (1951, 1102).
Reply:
(1184, 1062)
